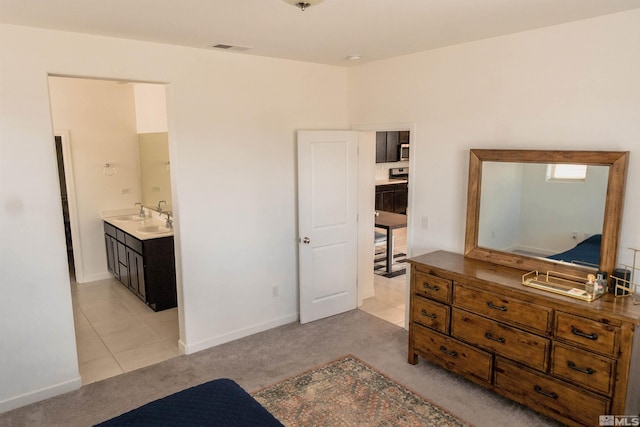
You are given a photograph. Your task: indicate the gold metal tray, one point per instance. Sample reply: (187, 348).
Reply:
(559, 283)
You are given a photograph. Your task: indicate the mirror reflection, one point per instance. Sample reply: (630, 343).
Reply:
(526, 209)
(155, 170)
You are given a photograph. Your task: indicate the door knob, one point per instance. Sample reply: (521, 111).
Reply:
(306, 240)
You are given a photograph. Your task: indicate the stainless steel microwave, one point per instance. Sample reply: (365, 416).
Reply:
(404, 152)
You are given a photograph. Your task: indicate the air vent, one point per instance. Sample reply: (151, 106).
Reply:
(231, 47)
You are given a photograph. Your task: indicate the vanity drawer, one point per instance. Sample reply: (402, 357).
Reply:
(505, 309)
(586, 333)
(544, 393)
(527, 348)
(134, 243)
(430, 313)
(594, 372)
(452, 354)
(110, 230)
(432, 286)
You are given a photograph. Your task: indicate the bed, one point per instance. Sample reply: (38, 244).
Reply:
(219, 403)
(586, 252)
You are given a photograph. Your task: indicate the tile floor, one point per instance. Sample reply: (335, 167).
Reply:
(117, 333)
(389, 300)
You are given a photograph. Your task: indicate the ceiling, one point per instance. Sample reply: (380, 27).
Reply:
(326, 33)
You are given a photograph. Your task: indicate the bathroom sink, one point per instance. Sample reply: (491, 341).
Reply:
(128, 218)
(154, 229)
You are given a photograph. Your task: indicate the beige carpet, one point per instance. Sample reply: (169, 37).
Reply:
(348, 392)
(269, 357)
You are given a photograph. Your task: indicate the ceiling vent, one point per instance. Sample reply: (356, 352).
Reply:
(231, 47)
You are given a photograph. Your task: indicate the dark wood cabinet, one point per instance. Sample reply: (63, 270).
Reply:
(388, 145)
(568, 359)
(111, 245)
(145, 267)
(392, 197)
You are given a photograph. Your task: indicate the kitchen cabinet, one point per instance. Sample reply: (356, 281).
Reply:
(392, 197)
(388, 145)
(145, 267)
(568, 359)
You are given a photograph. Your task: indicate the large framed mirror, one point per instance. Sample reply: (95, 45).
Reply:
(546, 210)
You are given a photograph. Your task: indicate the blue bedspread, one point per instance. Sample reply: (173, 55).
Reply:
(219, 403)
(585, 252)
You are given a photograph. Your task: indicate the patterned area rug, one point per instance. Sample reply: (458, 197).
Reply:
(348, 392)
(397, 268)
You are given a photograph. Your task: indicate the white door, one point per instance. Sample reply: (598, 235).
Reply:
(327, 222)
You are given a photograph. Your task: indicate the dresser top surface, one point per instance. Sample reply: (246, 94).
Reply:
(511, 279)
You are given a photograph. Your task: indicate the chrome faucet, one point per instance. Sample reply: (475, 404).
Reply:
(159, 203)
(169, 223)
(141, 209)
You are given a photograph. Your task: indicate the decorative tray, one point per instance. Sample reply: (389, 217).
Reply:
(559, 283)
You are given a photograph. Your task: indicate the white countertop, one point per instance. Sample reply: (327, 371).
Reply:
(131, 227)
(390, 181)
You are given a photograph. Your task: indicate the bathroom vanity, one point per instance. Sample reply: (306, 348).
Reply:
(145, 264)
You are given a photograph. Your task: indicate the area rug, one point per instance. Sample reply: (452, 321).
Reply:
(397, 268)
(347, 392)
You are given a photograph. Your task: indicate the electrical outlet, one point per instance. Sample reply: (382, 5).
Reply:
(574, 235)
(425, 222)
(275, 291)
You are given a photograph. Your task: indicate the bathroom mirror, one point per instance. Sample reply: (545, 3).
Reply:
(520, 215)
(155, 169)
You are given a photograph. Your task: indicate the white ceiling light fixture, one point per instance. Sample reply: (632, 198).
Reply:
(303, 4)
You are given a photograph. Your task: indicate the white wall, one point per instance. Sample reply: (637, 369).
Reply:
(151, 107)
(553, 210)
(572, 86)
(101, 119)
(232, 148)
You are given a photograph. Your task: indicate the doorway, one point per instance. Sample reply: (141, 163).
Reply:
(392, 189)
(115, 331)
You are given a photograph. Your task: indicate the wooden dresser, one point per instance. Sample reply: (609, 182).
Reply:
(568, 359)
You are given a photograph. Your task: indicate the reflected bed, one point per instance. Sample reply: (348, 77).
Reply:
(586, 252)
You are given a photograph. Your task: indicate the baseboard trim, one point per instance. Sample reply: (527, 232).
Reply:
(94, 277)
(232, 336)
(38, 395)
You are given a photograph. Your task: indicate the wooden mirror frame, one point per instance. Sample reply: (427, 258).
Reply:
(617, 162)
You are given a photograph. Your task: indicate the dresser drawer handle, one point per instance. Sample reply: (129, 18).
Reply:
(426, 314)
(447, 352)
(433, 288)
(539, 389)
(579, 333)
(496, 307)
(492, 338)
(573, 366)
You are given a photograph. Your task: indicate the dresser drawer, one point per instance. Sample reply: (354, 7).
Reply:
(453, 355)
(432, 286)
(587, 333)
(505, 309)
(594, 372)
(527, 348)
(430, 313)
(544, 393)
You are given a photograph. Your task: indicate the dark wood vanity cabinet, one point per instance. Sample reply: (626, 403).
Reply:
(568, 359)
(145, 267)
(392, 197)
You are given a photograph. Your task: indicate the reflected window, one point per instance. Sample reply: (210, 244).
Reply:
(566, 172)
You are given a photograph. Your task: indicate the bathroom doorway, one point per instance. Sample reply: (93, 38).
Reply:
(97, 122)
